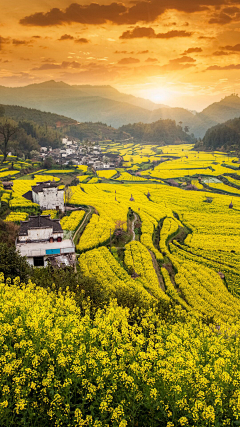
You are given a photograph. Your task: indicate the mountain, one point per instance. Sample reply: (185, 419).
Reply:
(218, 112)
(110, 92)
(90, 103)
(30, 118)
(162, 131)
(41, 118)
(86, 103)
(224, 136)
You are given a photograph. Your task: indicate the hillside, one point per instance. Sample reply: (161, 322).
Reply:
(224, 136)
(91, 104)
(162, 131)
(42, 118)
(86, 103)
(62, 124)
(218, 112)
(110, 92)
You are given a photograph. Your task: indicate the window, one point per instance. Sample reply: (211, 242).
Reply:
(38, 261)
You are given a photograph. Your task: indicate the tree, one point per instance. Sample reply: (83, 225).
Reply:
(34, 154)
(8, 128)
(186, 129)
(68, 193)
(12, 264)
(2, 111)
(48, 163)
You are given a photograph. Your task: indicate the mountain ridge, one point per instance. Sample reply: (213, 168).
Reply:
(103, 103)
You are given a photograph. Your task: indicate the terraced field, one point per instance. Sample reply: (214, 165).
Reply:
(187, 238)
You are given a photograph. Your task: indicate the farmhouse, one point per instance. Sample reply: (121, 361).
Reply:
(41, 240)
(47, 195)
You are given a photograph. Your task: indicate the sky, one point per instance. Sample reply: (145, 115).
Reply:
(181, 53)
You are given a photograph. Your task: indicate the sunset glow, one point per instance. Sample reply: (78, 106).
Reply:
(179, 53)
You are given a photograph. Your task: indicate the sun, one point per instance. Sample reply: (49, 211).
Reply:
(158, 94)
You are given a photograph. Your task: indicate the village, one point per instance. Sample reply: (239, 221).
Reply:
(74, 153)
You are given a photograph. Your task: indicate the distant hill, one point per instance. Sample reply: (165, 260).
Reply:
(91, 103)
(161, 132)
(110, 92)
(41, 118)
(218, 112)
(86, 103)
(224, 136)
(30, 117)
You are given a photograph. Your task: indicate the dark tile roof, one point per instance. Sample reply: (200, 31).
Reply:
(40, 221)
(41, 185)
(28, 195)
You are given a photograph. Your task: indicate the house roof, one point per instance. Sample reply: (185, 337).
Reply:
(41, 185)
(40, 221)
(28, 195)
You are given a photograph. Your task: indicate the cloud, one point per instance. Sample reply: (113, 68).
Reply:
(63, 65)
(235, 48)
(116, 12)
(82, 40)
(182, 60)
(143, 52)
(93, 13)
(206, 38)
(221, 53)
(220, 19)
(151, 60)
(192, 50)
(66, 37)
(3, 40)
(226, 67)
(69, 37)
(140, 32)
(231, 10)
(125, 61)
(17, 42)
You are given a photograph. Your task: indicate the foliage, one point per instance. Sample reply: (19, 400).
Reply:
(12, 264)
(62, 367)
(8, 231)
(8, 128)
(41, 118)
(224, 136)
(162, 132)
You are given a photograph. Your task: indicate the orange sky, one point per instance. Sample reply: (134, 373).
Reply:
(182, 53)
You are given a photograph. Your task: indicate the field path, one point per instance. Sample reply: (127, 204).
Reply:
(135, 218)
(83, 224)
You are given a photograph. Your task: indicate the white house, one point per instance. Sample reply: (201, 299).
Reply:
(47, 195)
(41, 240)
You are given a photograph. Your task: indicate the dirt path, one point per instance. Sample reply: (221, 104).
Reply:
(135, 218)
(157, 270)
(83, 224)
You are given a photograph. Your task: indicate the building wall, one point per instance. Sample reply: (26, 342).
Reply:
(49, 198)
(40, 234)
(45, 249)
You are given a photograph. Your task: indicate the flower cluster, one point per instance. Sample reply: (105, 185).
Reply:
(138, 258)
(17, 216)
(58, 361)
(72, 221)
(51, 212)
